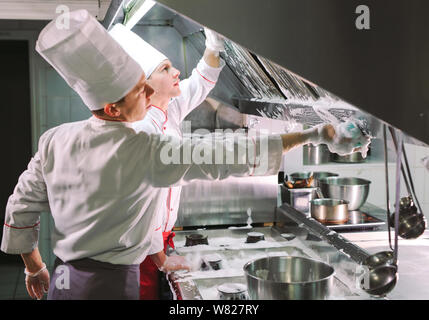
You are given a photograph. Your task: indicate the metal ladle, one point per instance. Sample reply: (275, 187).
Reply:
(382, 280)
(382, 267)
(412, 222)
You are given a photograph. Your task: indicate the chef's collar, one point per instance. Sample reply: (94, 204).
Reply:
(96, 120)
(159, 114)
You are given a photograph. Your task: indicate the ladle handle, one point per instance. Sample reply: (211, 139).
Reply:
(386, 173)
(398, 195)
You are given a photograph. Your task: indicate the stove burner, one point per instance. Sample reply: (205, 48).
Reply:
(288, 236)
(232, 291)
(253, 237)
(213, 260)
(195, 239)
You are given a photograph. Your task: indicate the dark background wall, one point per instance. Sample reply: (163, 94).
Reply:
(15, 130)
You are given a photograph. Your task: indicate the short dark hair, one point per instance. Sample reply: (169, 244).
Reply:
(100, 112)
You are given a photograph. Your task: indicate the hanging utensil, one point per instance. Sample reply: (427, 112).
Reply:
(397, 196)
(386, 173)
(382, 268)
(411, 223)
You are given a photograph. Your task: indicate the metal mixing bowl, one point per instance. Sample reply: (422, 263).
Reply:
(288, 278)
(353, 190)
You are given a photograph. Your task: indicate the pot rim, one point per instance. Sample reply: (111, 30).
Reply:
(341, 202)
(300, 173)
(363, 182)
(297, 282)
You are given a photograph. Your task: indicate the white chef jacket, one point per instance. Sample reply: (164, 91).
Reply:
(193, 92)
(97, 179)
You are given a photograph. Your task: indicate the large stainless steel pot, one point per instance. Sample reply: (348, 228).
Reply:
(332, 211)
(288, 278)
(313, 155)
(355, 157)
(354, 190)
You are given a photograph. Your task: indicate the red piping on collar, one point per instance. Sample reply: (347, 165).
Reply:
(163, 111)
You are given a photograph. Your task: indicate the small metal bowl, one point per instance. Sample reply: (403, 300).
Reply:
(253, 237)
(354, 190)
(195, 239)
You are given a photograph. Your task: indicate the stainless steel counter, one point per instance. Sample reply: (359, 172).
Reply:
(413, 255)
(230, 245)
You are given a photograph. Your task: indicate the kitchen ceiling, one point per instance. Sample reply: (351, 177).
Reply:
(46, 9)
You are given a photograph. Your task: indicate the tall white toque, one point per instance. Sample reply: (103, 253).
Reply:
(89, 59)
(147, 56)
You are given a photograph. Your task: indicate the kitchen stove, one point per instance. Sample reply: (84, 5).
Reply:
(231, 247)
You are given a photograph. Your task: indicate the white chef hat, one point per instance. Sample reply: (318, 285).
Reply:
(147, 56)
(89, 60)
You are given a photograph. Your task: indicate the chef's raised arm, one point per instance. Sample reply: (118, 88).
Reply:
(202, 80)
(172, 161)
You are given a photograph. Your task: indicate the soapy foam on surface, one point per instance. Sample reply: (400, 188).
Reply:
(232, 265)
(209, 293)
(213, 257)
(231, 243)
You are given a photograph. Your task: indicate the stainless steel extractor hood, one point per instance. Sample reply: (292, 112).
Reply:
(382, 71)
(249, 82)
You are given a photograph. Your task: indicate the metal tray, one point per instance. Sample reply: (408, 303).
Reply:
(358, 220)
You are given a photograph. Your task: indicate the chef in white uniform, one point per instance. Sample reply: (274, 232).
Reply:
(97, 177)
(171, 102)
